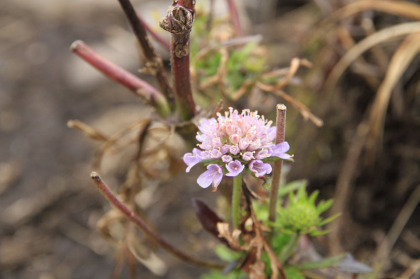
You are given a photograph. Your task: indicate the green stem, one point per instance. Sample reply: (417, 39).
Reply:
(236, 200)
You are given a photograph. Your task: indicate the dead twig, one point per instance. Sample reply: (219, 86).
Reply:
(86, 129)
(303, 110)
(107, 193)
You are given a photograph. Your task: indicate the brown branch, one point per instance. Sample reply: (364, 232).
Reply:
(107, 193)
(275, 184)
(155, 62)
(178, 21)
(121, 76)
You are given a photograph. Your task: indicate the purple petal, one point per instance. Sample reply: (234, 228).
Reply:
(213, 175)
(248, 156)
(259, 168)
(234, 168)
(226, 158)
(263, 154)
(280, 150)
(191, 159)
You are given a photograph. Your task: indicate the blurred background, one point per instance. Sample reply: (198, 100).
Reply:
(364, 85)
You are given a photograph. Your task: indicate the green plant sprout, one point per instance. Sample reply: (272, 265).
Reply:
(302, 216)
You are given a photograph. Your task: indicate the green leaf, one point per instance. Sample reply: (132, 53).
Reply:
(280, 241)
(329, 219)
(313, 197)
(301, 194)
(328, 262)
(226, 254)
(220, 275)
(324, 206)
(293, 273)
(318, 233)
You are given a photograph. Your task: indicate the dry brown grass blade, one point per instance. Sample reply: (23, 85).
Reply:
(401, 8)
(401, 59)
(89, 131)
(294, 66)
(367, 43)
(303, 110)
(388, 243)
(245, 87)
(113, 140)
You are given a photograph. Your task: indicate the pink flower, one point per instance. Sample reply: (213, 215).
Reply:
(213, 175)
(235, 141)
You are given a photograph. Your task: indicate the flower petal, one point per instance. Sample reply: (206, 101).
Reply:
(214, 174)
(234, 168)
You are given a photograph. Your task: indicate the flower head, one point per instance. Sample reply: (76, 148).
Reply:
(233, 142)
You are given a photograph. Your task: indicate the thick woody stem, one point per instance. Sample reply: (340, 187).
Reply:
(275, 184)
(103, 188)
(121, 76)
(178, 21)
(155, 62)
(234, 17)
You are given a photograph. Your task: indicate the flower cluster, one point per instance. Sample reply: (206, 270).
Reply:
(233, 142)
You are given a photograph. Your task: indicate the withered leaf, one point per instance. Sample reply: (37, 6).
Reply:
(207, 217)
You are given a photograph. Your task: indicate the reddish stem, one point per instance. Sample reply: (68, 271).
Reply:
(121, 76)
(178, 21)
(234, 17)
(165, 43)
(104, 189)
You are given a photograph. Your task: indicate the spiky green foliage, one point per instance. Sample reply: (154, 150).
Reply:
(302, 215)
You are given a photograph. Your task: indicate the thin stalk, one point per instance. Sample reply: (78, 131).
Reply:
(234, 17)
(123, 77)
(107, 193)
(178, 21)
(236, 200)
(275, 184)
(150, 55)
